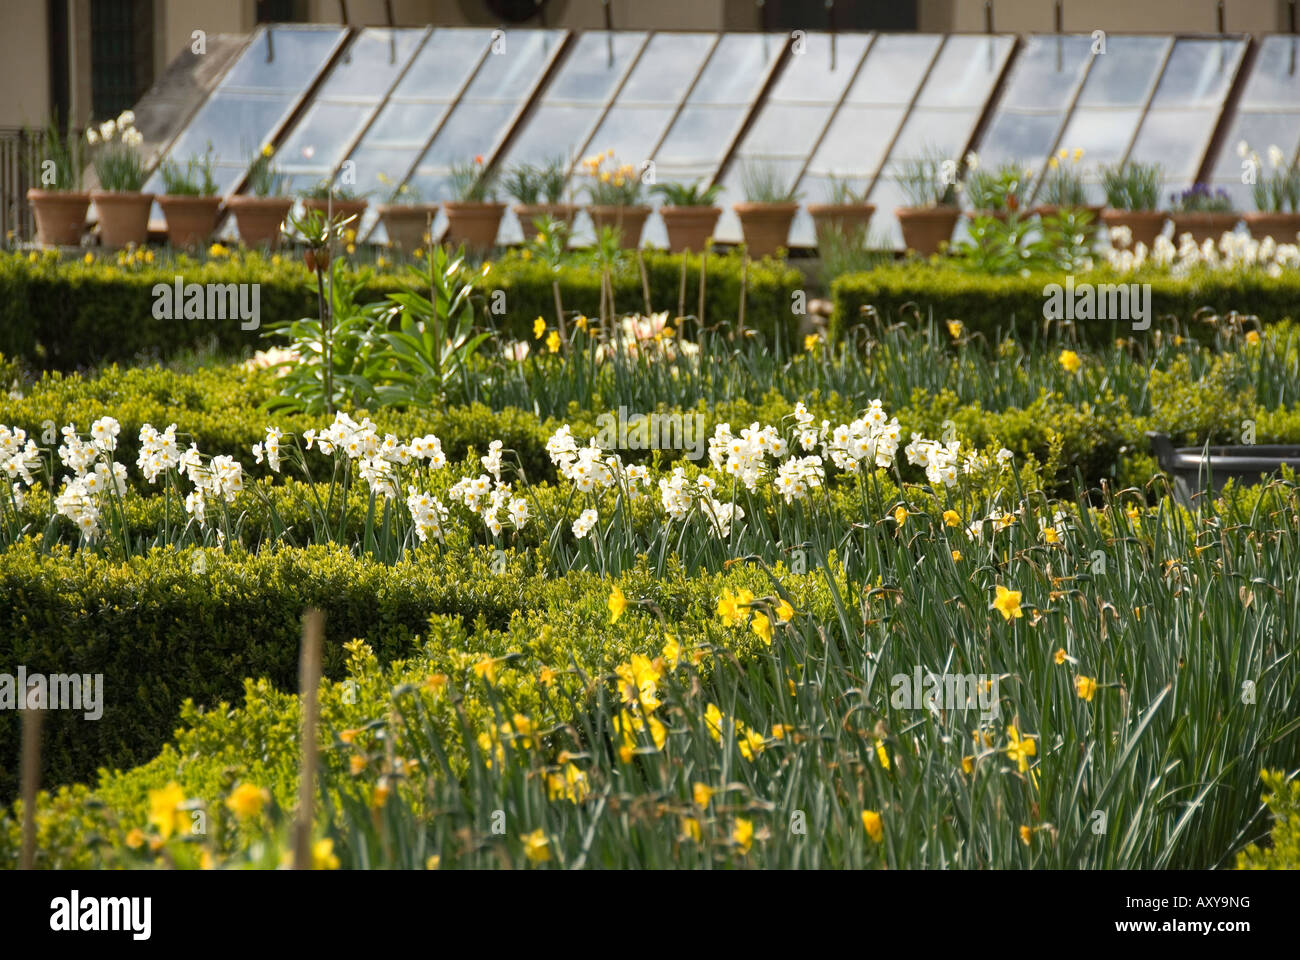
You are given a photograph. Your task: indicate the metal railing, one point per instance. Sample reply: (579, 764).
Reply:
(20, 151)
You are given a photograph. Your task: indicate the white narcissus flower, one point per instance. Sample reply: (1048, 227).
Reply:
(1275, 156)
(107, 129)
(1243, 149)
(126, 119)
(92, 137)
(132, 137)
(582, 526)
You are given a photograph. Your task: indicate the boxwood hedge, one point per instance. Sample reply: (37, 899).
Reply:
(61, 314)
(994, 305)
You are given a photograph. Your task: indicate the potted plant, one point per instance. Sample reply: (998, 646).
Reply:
(540, 192)
(474, 216)
(1132, 192)
(928, 220)
(769, 208)
(1203, 213)
(995, 193)
(122, 208)
(847, 210)
(1277, 197)
(617, 196)
(190, 201)
(259, 215)
(406, 220)
(58, 204)
(689, 214)
(1063, 189)
(333, 198)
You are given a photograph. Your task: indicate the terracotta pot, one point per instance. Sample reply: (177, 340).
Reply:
(60, 216)
(999, 215)
(1052, 209)
(528, 212)
(1282, 227)
(407, 223)
(473, 224)
(689, 228)
(926, 229)
(848, 217)
(629, 221)
(1145, 225)
(766, 226)
(1204, 226)
(123, 217)
(340, 208)
(190, 220)
(259, 219)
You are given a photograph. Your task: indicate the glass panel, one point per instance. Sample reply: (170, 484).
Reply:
(1103, 134)
(856, 141)
(895, 66)
(443, 64)
(288, 62)
(1275, 77)
(587, 75)
(700, 135)
(666, 68)
(786, 130)
(1199, 73)
(1046, 72)
(631, 133)
(1124, 74)
(235, 124)
(1260, 131)
(1018, 136)
(392, 162)
(326, 131)
(553, 131)
(406, 124)
(469, 131)
(370, 65)
(1175, 139)
(511, 70)
(736, 68)
(965, 71)
(929, 130)
(809, 76)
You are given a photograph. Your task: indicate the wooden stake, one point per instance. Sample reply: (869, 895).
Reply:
(313, 628)
(704, 271)
(645, 281)
(681, 292)
(30, 776)
(744, 282)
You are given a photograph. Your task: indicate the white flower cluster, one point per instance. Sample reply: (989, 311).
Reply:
(123, 127)
(19, 456)
(94, 473)
(1234, 251)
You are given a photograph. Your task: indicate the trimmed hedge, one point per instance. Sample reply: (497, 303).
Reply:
(163, 630)
(995, 304)
(62, 314)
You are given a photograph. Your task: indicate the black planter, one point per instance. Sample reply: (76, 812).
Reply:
(1194, 469)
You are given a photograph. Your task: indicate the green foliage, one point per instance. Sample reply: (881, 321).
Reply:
(471, 182)
(60, 313)
(64, 148)
(926, 182)
(1000, 190)
(688, 194)
(1282, 852)
(264, 178)
(1132, 185)
(532, 184)
(192, 180)
(763, 181)
(990, 304)
(1016, 244)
